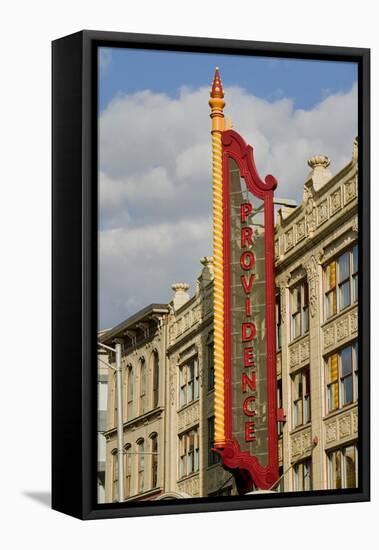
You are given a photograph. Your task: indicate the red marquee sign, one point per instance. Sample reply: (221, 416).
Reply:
(250, 412)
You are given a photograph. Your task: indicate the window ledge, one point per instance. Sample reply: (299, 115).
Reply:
(299, 338)
(341, 410)
(300, 428)
(188, 405)
(189, 476)
(339, 314)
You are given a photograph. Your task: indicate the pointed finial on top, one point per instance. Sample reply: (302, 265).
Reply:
(217, 104)
(217, 90)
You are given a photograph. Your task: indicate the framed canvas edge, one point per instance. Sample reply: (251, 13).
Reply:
(84, 500)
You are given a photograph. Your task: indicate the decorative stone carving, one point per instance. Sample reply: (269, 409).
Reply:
(322, 212)
(296, 445)
(350, 190)
(310, 210)
(173, 375)
(342, 329)
(188, 416)
(289, 239)
(335, 201)
(300, 230)
(354, 227)
(312, 274)
(276, 248)
(190, 486)
(354, 418)
(307, 441)
(304, 351)
(344, 425)
(283, 302)
(294, 356)
(329, 336)
(331, 431)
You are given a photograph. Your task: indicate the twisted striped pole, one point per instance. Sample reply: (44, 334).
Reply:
(217, 105)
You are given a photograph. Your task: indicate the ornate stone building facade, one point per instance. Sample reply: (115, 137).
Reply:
(316, 264)
(168, 378)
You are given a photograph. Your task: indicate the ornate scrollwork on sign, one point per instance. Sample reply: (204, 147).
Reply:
(312, 275)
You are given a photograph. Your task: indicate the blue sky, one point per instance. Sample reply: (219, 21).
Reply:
(306, 82)
(155, 191)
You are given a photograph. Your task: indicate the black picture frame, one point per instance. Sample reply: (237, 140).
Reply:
(74, 272)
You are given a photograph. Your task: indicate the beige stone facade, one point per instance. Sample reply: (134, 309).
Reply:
(168, 359)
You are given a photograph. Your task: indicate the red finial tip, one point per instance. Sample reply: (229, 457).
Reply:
(217, 90)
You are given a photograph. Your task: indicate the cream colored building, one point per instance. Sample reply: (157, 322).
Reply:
(168, 379)
(316, 265)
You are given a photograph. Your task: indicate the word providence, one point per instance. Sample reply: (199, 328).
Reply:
(248, 328)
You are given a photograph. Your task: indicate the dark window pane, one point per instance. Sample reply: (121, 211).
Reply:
(347, 385)
(344, 295)
(346, 361)
(344, 267)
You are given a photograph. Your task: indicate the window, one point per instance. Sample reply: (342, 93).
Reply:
(141, 465)
(143, 384)
(188, 453)
(189, 382)
(278, 317)
(128, 470)
(343, 468)
(114, 475)
(301, 398)
(302, 476)
(213, 457)
(155, 379)
(341, 283)
(211, 366)
(154, 460)
(299, 310)
(342, 378)
(130, 391)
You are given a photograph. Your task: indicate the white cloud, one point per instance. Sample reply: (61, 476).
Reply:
(155, 179)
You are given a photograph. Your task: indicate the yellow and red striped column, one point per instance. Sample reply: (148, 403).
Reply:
(217, 105)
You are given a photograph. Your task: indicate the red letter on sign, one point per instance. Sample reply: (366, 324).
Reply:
(246, 210)
(246, 409)
(247, 260)
(246, 233)
(246, 328)
(249, 431)
(248, 357)
(247, 284)
(251, 382)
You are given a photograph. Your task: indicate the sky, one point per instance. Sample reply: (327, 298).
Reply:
(155, 192)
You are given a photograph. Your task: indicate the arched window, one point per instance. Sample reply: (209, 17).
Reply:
(154, 460)
(130, 391)
(155, 379)
(128, 470)
(143, 387)
(141, 465)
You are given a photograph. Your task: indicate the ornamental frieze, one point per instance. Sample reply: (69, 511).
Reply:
(300, 230)
(340, 330)
(322, 212)
(289, 240)
(350, 190)
(190, 486)
(301, 443)
(335, 201)
(188, 416)
(341, 427)
(299, 353)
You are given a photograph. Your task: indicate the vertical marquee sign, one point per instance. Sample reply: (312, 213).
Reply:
(244, 306)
